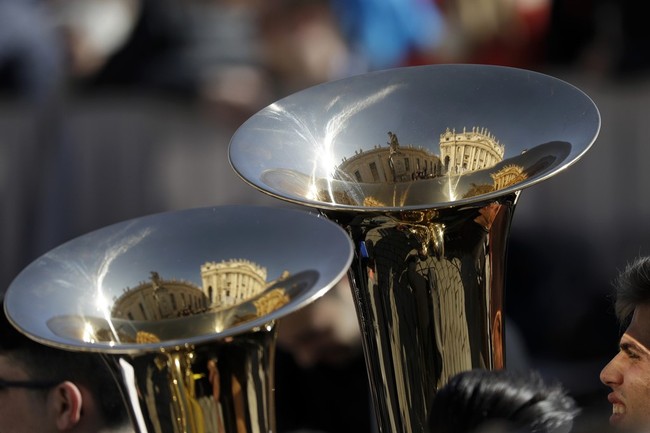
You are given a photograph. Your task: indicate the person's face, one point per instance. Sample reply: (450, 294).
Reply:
(21, 409)
(628, 375)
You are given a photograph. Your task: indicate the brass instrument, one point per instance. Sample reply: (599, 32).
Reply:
(422, 167)
(182, 306)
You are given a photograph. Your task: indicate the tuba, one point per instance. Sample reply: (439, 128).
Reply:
(182, 306)
(422, 167)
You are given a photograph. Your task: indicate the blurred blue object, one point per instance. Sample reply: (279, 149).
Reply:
(386, 32)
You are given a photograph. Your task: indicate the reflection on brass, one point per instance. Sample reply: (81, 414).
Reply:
(476, 190)
(430, 234)
(471, 150)
(340, 197)
(183, 309)
(508, 175)
(219, 387)
(159, 299)
(225, 284)
(390, 164)
(372, 202)
(146, 337)
(271, 301)
(438, 186)
(460, 141)
(462, 155)
(425, 283)
(231, 282)
(216, 387)
(234, 292)
(206, 322)
(418, 216)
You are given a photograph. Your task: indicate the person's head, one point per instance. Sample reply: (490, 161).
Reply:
(628, 373)
(43, 389)
(500, 400)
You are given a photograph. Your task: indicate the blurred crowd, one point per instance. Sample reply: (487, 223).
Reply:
(112, 109)
(249, 52)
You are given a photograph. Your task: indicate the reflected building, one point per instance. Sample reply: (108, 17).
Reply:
(271, 301)
(230, 282)
(469, 150)
(460, 152)
(391, 163)
(508, 175)
(224, 284)
(159, 299)
(505, 177)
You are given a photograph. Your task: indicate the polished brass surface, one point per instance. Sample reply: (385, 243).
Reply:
(183, 305)
(423, 167)
(222, 386)
(415, 138)
(429, 300)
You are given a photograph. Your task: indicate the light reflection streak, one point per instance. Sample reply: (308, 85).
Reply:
(88, 333)
(111, 254)
(94, 274)
(312, 192)
(451, 191)
(452, 187)
(324, 157)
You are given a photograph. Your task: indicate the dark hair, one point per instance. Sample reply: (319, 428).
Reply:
(632, 288)
(44, 363)
(477, 399)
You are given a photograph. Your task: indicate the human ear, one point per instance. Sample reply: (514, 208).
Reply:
(66, 403)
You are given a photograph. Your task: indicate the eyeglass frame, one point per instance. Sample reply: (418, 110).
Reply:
(28, 384)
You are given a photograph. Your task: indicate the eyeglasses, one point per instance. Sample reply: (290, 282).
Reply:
(29, 384)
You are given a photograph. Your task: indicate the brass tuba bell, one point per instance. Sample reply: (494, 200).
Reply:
(182, 306)
(422, 167)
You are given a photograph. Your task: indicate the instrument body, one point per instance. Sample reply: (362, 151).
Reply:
(183, 306)
(428, 287)
(216, 387)
(423, 167)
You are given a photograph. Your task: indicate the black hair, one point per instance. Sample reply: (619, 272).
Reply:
(49, 364)
(632, 288)
(516, 402)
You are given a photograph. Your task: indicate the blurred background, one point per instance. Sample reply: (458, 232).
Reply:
(114, 109)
